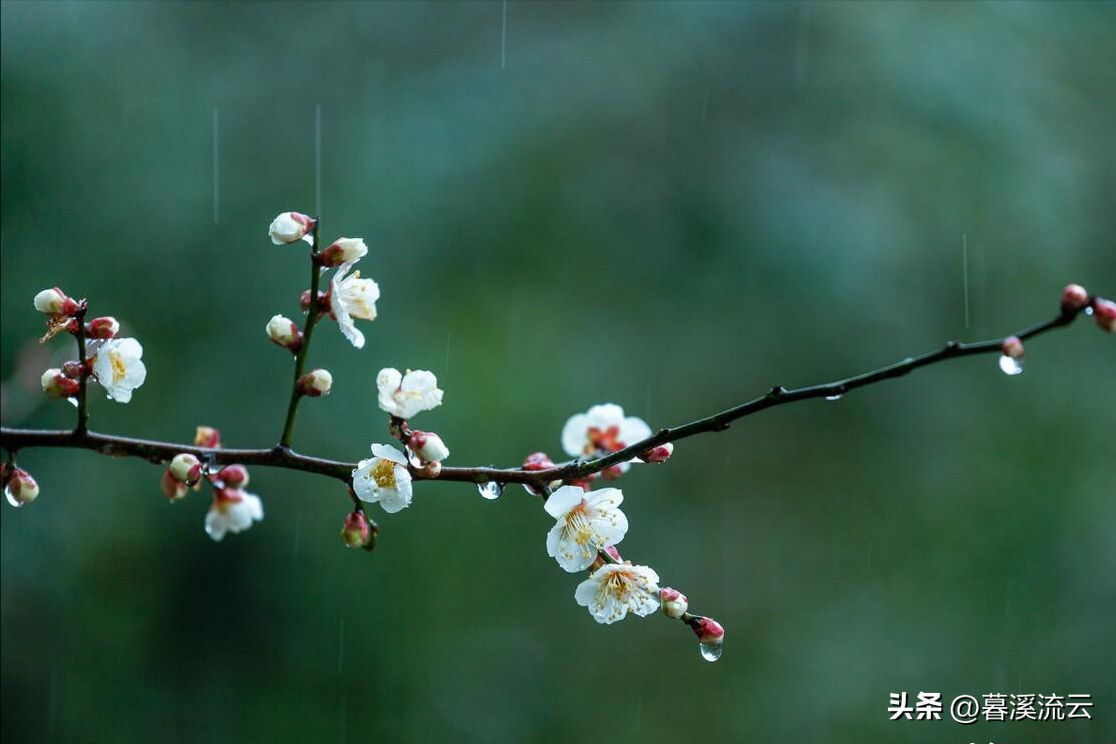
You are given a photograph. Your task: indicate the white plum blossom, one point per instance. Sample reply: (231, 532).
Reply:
(344, 250)
(603, 429)
(615, 589)
(291, 227)
(586, 523)
(384, 479)
(233, 511)
(352, 297)
(119, 369)
(403, 396)
(54, 301)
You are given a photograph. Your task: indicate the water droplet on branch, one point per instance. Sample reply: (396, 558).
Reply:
(835, 397)
(1010, 365)
(710, 651)
(490, 490)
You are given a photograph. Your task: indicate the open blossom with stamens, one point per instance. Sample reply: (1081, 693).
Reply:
(614, 590)
(119, 369)
(352, 297)
(403, 396)
(344, 250)
(233, 511)
(603, 429)
(291, 227)
(54, 301)
(384, 479)
(586, 523)
(58, 385)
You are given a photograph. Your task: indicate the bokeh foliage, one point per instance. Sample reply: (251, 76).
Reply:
(672, 206)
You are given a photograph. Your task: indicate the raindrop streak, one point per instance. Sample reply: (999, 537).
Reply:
(965, 272)
(504, 37)
(216, 166)
(490, 490)
(1010, 365)
(710, 651)
(835, 397)
(318, 159)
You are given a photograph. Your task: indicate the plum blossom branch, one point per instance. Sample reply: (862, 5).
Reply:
(312, 315)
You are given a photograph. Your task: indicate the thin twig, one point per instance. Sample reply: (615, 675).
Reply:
(282, 456)
(312, 315)
(82, 397)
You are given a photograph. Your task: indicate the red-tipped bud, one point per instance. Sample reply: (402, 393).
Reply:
(283, 332)
(19, 487)
(207, 436)
(1104, 312)
(1012, 347)
(674, 603)
(428, 447)
(103, 328)
(356, 532)
(233, 476)
(315, 383)
(708, 630)
(57, 385)
(73, 370)
(344, 250)
(55, 302)
(1074, 297)
(660, 453)
(172, 488)
(323, 301)
(185, 468)
(538, 461)
(291, 227)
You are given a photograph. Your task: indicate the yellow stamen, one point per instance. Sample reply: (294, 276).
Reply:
(383, 472)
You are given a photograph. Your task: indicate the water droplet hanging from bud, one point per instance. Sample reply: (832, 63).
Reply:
(1011, 361)
(19, 487)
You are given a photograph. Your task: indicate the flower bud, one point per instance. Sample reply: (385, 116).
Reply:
(104, 328)
(314, 383)
(284, 332)
(57, 385)
(55, 302)
(172, 488)
(432, 469)
(674, 602)
(323, 301)
(20, 488)
(708, 630)
(599, 561)
(291, 227)
(1074, 297)
(72, 370)
(186, 468)
(538, 461)
(428, 446)
(1104, 312)
(612, 472)
(1012, 347)
(207, 436)
(660, 453)
(356, 533)
(344, 250)
(233, 476)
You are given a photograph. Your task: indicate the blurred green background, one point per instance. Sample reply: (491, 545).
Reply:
(671, 206)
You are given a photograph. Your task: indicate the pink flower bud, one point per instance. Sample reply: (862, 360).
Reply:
(172, 488)
(284, 332)
(207, 436)
(344, 250)
(72, 370)
(290, 227)
(1074, 297)
(315, 383)
(674, 602)
(55, 302)
(1012, 347)
(660, 453)
(104, 328)
(612, 552)
(356, 533)
(538, 461)
(233, 476)
(1104, 312)
(19, 487)
(428, 446)
(708, 630)
(323, 301)
(432, 469)
(57, 385)
(612, 472)
(186, 468)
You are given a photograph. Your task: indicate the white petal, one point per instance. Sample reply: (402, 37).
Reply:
(572, 556)
(586, 592)
(575, 435)
(634, 429)
(613, 531)
(562, 500)
(388, 452)
(606, 415)
(605, 498)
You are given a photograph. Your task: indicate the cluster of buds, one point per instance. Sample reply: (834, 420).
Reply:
(1075, 298)
(315, 383)
(19, 487)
